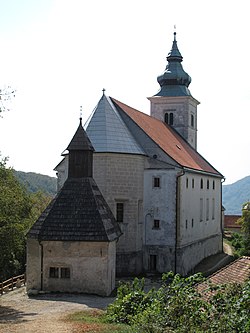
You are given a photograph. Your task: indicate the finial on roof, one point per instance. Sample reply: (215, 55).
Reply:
(103, 91)
(174, 32)
(81, 114)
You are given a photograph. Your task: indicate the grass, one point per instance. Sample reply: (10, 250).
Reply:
(93, 321)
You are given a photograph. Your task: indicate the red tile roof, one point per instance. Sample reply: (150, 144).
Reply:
(236, 272)
(168, 140)
(230, 221)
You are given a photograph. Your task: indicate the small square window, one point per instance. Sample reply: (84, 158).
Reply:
(65, 273)
(156, 224)
(54, 272)
(156, 181)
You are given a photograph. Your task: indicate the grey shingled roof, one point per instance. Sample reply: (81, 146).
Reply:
(78, 213)
(80, 140)
(107, 131)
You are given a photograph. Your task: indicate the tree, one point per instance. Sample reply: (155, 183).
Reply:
(18, 211)
(6, 96)
(244, 221)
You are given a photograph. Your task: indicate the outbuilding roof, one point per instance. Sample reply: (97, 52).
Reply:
(236, 272)
(78, 213)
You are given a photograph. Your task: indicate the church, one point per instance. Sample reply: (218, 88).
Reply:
(166, 198)
(134, 195)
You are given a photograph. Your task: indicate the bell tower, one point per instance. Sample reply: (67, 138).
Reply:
(174, 103)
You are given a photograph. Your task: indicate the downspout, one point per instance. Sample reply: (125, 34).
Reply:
(41, 246)
(177, 214)
(221, 221)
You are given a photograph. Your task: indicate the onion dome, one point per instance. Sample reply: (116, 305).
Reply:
(174, 81)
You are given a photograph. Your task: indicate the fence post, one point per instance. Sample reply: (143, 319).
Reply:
(1, 284)
(12, 283)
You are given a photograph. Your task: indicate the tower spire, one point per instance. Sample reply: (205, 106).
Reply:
(174, 81)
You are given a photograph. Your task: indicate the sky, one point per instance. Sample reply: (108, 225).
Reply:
(59, 54)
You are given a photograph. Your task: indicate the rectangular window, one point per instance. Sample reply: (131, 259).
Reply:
(193, 183)
(65, 272)
(207, 209)
(201, 209)
(213, 208)
(119, 211)
(54, 272)
(156, 182)
(156, 224)
(192, 120)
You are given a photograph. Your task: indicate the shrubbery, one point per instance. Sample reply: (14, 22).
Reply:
(18, 211)
(178, 307)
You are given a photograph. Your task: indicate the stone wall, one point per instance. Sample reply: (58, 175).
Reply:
(34, 265)
(191, 255)
(91, 266)
(120, 179)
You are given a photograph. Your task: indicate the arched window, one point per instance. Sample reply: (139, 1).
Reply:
(192, 120)
(169, 118)
(166, 118)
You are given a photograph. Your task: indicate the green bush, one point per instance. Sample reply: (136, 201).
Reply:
(178, 307)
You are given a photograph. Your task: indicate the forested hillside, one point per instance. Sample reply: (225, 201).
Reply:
(35, 182)
(234, 195)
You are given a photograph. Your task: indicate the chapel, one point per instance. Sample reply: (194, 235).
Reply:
(72, 245)
(164, 195)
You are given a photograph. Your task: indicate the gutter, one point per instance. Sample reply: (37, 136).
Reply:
(41, 246)
(221, 221)
(177, 214)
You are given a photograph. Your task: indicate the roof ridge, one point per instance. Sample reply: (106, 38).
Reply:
(170, 141)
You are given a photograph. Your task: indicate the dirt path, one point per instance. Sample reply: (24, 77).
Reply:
(43, 313)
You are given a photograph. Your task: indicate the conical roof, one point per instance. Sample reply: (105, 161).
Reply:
(108, 132)
(174, 81)
(78, 213)
(80, 140)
